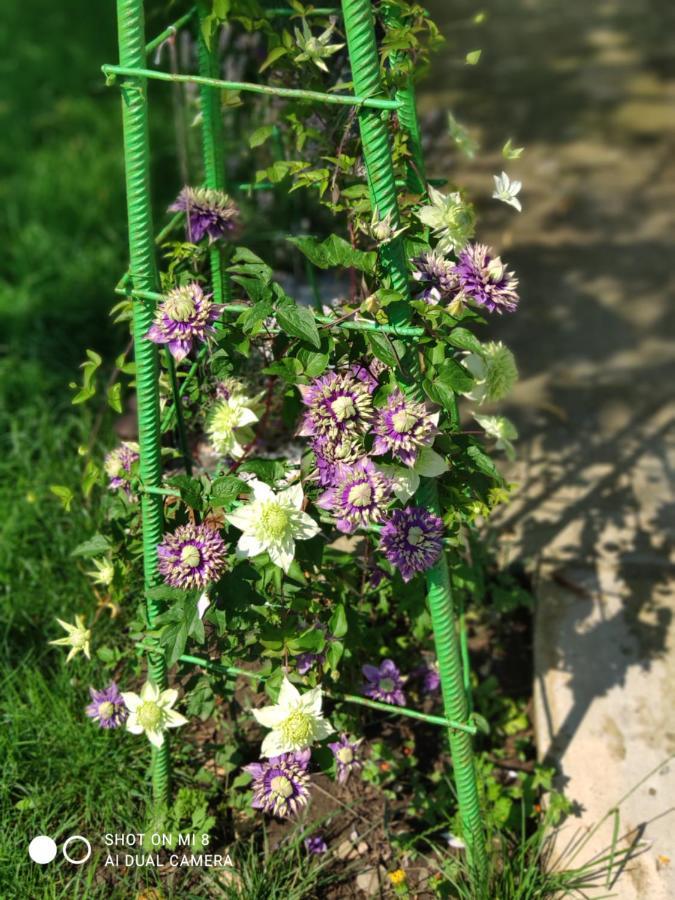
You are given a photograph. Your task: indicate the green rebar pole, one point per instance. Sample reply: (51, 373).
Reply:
(212, 152)
(131, 36)
(365, 65)
(407, 113)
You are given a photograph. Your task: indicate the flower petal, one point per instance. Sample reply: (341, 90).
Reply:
(270, 716)
(274, 745)
(243, 518)
(289, 695)
(312, 700)
(174, 719)
(293, 495)
(167, 698)
(150, 691)
(249, 546)
(322, 728)
(304, 526)
(131, 701)
(156, 738)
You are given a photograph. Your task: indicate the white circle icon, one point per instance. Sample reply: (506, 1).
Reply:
(42, 849)
(76, 837)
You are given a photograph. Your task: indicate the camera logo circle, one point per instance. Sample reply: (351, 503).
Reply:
(42, 849)
(82, 859)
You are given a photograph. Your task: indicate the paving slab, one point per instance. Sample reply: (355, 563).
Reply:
(589, 90)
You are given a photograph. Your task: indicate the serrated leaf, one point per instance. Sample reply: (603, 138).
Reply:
(298, 321)
(482, 461)
(313, 363)
(225, 490)
(272, 57)
(190, 490)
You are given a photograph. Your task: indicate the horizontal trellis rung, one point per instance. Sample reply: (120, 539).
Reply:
(169, 31)
(232, 308)
(290, 93)
(346, 698)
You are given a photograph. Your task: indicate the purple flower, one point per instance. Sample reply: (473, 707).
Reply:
(315, 844)
(305, 662)
(185, 315)
(208, 212)
(191, 557)
(346, 756)
(118, 464)
(412, 540)
(485, 279)
(280, 784)
(107, 707)
(403, 428)
(365, 375)
(431, 680)
(333, 457)
(338, 407)
(436, 275)
(384, 684)
(358, 497)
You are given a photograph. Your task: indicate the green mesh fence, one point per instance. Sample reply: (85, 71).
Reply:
(373, 106)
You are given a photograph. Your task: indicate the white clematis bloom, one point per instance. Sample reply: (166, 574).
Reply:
(296, 721)
(272, 523)
(507, 191)
(228, 426)
(151, 712)
(405, 480)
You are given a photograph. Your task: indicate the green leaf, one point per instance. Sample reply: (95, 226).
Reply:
(382, 347)
(115, 397)
(298, 321)
(260, 135)
(190, 490)
(96, 545)
(465, 340)
(335, 251)
(245, 262)
(483, 461)
(225, 490)
(453, 375)
(64, 494)
(313, 363)
(473, 56)
(338, 621)
(271, 58)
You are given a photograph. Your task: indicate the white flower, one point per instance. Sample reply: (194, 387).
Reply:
(77, 638)
(272, 523)
(103, 572)
(507, 190)
(296, 721)
(450, 219)
(502, 429)
(228, 425)
(405, 481)
(151, 712)
(494, 370)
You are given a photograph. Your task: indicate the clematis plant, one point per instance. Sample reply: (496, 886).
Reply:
(151, 712)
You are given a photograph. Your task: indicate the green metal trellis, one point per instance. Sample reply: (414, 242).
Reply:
(141, 283)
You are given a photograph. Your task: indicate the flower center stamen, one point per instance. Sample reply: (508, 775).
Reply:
(415, 536)
(343, 408)
(345, 755)
(190, 556)
(149, 715)
(387, 685)
(106, 710)
(180, 307)
(274, 521)
(297, 728)
(403, 420)
(281, 786)
(361, 495)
